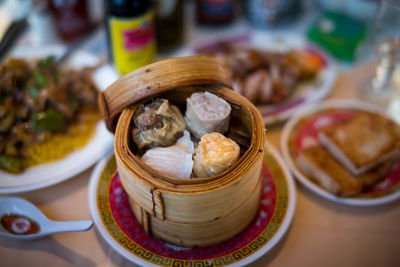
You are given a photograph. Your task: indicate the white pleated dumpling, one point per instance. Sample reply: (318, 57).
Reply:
(175, 161)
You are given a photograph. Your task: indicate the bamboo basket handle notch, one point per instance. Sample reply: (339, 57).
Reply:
(157, 197)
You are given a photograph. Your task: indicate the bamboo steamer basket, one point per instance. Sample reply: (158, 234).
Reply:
(187, 212)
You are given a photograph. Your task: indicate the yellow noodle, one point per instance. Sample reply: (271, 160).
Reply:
(59, 145)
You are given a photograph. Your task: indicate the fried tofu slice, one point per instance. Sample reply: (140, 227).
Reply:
(318, 164)
(362, 142)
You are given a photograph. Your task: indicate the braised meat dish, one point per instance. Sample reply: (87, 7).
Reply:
(37, 100)
(266, 77)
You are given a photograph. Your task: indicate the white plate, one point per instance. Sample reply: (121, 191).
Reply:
(55, 172)
(380, 196)
(309, 93)
(116, 224)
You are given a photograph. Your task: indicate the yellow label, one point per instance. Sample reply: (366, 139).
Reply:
(132, 42)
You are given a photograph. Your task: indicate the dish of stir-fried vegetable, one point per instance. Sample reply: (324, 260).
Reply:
(39, 99)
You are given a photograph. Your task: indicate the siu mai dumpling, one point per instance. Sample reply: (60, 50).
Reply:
(175, 161)
(206, 113)
(214, 154)
(157, 124)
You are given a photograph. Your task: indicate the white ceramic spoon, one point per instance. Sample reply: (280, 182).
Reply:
(20, 219)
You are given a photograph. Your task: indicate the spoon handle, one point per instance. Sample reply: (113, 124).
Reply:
(71, 226)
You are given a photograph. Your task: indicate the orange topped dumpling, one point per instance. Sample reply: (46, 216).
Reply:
(214, 154)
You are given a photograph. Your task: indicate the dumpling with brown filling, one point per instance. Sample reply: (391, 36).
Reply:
(157, 124)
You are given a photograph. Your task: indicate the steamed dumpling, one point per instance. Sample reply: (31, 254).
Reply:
(175, 161)
(214, 154)
(157, 124)
(206, 113)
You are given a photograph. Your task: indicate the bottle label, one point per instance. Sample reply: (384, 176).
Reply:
(132, 41)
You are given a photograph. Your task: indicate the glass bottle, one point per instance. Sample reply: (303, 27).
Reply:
(266, 13)
(71, 18)
(169, 24)
(215, 12)
(130, 33)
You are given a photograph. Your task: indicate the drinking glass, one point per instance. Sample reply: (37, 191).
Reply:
(384, 37)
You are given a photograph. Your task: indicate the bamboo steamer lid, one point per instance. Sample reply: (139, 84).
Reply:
(159, 77)
(197, 211)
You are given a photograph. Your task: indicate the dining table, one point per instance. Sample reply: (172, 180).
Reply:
(321, 233)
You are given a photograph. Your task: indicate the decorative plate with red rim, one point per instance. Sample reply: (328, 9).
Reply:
(302, 131)
(115, 221)
(305, 93)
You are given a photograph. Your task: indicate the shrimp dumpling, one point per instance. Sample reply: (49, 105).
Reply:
(214, 154)
(175, 161)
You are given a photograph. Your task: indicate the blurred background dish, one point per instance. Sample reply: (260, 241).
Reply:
(278, 50)
(302, 131)
(50, 173)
